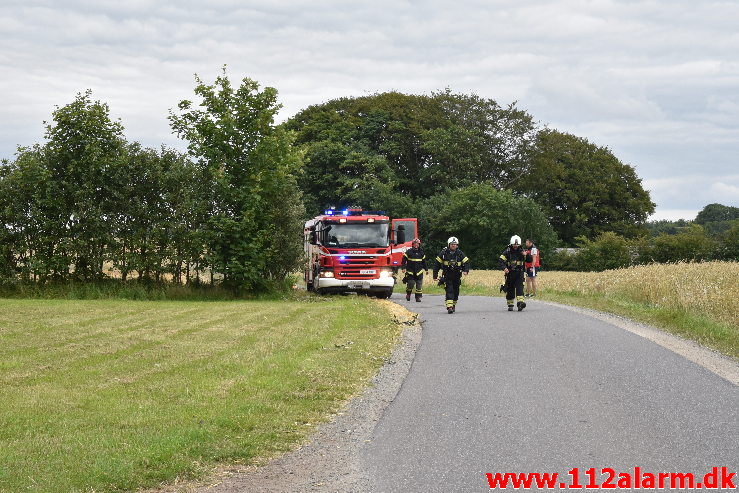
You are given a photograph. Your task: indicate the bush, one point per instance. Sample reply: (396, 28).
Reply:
(729, 249)
(608, 251)
(690, 244)
(561, 259)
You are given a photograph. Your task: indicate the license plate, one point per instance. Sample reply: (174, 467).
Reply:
(358, 285)
(367, 271)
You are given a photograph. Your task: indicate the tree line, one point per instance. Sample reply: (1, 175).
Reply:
(87, 204)
(712, 235)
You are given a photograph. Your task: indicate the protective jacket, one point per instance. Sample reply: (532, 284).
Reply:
(452, 263)
(514, 259)
(414, 262)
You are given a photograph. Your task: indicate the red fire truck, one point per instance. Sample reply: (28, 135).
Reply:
(356, 250)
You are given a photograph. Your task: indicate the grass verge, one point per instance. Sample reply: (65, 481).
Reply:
(114, 395)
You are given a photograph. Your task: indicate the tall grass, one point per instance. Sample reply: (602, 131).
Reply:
(709, 288)
(137, 290)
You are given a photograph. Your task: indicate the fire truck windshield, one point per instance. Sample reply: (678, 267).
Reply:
(352, 235)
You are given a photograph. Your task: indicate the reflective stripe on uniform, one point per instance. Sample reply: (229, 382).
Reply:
(465, 260)
(415, 259)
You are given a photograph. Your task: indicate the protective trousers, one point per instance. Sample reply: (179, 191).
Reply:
(514, 286)
(452, 290)
(412, 282)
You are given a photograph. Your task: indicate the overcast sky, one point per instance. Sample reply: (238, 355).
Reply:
(656, 81)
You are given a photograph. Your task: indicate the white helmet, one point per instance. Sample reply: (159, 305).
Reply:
(452, 239)
(515, 240)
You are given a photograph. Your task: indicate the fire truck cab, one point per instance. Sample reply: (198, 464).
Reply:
(352, 250)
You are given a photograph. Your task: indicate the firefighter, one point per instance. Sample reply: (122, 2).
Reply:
(454, 263)
(414, 266)
(512, 262)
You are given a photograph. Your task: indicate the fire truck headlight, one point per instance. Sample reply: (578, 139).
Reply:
(327, 273)
(384, 274)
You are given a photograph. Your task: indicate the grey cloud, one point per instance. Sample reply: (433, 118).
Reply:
(656, 81)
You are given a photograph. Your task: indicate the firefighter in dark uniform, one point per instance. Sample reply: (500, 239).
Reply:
(512, 262)
(414, 265)
(453, 263)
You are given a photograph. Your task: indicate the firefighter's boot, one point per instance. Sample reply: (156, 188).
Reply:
(407, 296)
(510, 305)
(521, 303)
(418, 297)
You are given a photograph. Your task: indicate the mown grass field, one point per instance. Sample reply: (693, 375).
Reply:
(111, 395)
(699, 301)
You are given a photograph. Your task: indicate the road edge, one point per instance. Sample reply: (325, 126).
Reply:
(720, 364)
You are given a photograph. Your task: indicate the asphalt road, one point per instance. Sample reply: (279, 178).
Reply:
(544, 390)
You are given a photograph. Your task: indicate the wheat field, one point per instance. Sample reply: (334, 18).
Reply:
(710, 288)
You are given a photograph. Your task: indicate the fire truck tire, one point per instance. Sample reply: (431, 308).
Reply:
(384, 294)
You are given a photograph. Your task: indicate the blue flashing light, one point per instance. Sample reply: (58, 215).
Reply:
(346, 212)
(329, 213)
(342, 257)
(395, 261)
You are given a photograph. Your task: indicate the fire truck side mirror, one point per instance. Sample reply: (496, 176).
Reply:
(313, 238)
(400, 235)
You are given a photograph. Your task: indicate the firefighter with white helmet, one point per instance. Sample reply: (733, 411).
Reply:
(414, 266)
(453, 264)
(512, 262)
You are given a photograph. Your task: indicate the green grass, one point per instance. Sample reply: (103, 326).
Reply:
(134, 290)
(688, 324)
(115, 395)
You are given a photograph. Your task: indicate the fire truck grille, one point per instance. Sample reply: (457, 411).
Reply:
(358, 261)
(352, 267)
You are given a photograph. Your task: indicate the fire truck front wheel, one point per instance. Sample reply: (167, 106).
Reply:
(384, 294)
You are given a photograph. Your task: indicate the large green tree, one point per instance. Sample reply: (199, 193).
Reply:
(366, 150)
(254, 232)
(717, 213)
(84, 146)
(584, 189)
(484, 219)
(717, 218)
